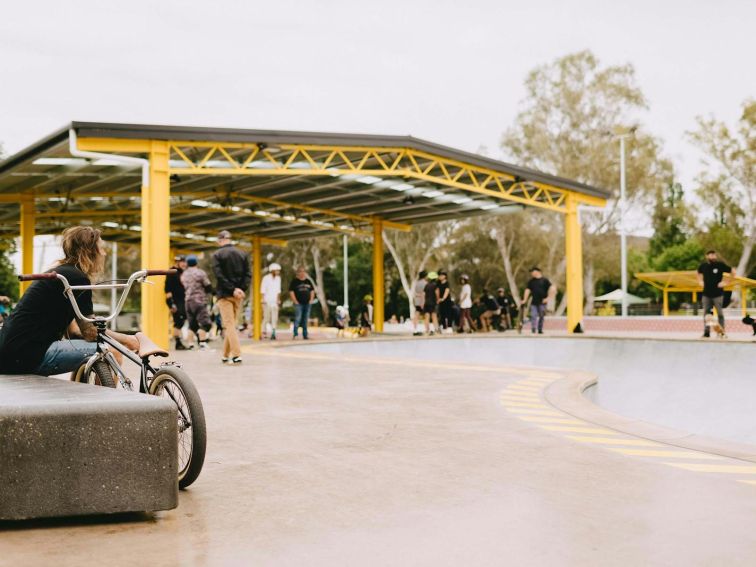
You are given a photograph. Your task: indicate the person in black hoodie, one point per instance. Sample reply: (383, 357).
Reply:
(233, 273)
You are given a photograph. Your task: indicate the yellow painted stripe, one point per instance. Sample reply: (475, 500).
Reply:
(579, 429)
(614, 441)
(516, 388)
(681, 454)
(507, 404)
(729, 469)
(561, 420)
(532, 394)
(520, 397)
(535, 412)
(748, 481)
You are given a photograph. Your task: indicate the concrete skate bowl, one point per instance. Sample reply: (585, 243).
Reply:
(690, 393)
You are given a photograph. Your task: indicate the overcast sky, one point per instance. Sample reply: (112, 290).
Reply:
(450, 72)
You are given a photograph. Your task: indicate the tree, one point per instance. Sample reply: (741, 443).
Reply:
(412, 252)
(8, 279)
(573, 106)
(729, 182)
(671, 219)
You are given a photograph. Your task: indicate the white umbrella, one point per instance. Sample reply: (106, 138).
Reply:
(616, 297)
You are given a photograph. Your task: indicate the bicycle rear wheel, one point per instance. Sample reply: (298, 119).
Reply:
(173, 383)
(100, 374)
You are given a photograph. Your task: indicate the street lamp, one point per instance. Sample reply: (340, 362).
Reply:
(622, 135)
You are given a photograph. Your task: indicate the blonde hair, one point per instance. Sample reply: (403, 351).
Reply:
(81, 247)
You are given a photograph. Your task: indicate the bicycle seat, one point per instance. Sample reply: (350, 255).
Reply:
(147, 347)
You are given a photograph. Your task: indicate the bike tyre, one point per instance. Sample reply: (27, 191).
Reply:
(102, 372)
(181, 380)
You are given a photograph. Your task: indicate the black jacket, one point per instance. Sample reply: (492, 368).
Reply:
(231, 268)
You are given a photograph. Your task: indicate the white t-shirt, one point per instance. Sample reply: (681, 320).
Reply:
(270, 288)
(465, 297)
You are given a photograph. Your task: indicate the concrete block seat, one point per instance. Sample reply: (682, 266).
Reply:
(71, 449)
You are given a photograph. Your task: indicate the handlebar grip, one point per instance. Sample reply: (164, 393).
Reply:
(161, 272)
(30, 277)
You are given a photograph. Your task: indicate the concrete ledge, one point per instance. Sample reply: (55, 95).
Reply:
(72, 449)
(567, 395)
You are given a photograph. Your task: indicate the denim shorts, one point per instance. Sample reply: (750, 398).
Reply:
(65, 356)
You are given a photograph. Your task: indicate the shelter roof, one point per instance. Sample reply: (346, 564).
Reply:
(280, 185)
(687, 281)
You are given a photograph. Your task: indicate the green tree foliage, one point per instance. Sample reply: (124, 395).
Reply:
(685, 256)
(671, 219)
(8, 276)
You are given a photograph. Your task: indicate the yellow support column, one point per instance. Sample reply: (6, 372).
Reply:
(665, 305)
(257, 315)
(156, 245)
(743, 300)
(27, 238)
(574, 257)
(378, 277)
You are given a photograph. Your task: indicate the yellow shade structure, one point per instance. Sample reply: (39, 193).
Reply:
(686, 281)
(178, 186)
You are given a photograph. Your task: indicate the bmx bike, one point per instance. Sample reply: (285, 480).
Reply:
(166, 380)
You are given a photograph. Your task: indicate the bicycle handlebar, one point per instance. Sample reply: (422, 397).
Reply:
(31, 277)
(68, 289)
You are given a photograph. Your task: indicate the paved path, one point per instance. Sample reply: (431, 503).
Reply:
(320, 459)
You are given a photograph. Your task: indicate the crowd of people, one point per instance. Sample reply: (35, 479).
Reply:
(437, 311)
(206, 310)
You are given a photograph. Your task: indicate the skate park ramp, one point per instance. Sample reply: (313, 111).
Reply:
(701, 387)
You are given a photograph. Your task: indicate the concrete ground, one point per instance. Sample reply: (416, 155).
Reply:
(316, 458)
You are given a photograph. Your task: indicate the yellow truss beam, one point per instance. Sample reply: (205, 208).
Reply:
(214, 158)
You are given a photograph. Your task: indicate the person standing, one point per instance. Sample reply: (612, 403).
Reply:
(270, 291)
(197, 286)
(175, 297)
(233, 273)
(445, 304)
(429, 304)
(419, 300)
(465, 304)
(366, 316)
(710, 274)
(302, 293)
(540, 289)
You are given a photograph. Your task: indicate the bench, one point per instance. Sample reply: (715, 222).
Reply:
(69, 449)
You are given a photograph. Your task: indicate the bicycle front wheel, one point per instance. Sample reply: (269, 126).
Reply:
(173, 383)
(100, 374)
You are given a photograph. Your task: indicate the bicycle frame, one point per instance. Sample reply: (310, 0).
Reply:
(104, 342)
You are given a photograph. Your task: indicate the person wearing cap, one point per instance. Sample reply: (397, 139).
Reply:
(465, 304)
(366, 315)
(445, 303)
(429, 305)
(541, 290)
(175, 298)
(197, 286)
(270, 291)
(233, 274)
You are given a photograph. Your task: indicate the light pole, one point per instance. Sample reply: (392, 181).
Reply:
(346, 273)
(623, 235)
(622, 136)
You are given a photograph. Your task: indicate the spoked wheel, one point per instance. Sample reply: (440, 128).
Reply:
(100, 374)
(173, 383)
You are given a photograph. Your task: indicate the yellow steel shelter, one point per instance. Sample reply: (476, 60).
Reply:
(687, 282)
(166, 186)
